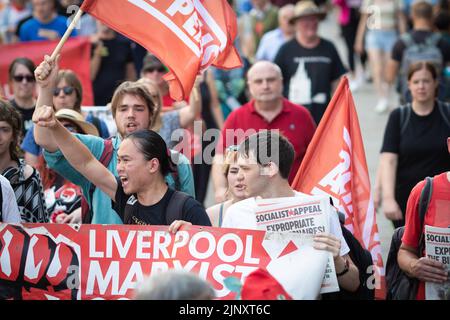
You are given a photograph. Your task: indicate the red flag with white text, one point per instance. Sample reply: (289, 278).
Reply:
(335, 165)
(186, 35)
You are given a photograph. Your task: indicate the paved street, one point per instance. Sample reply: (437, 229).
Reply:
(372, 127)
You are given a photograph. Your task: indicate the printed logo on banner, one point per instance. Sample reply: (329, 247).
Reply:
(38, 263)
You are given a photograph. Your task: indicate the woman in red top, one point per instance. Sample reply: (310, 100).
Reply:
(437, 215)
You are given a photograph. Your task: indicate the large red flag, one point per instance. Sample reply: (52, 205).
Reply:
(75, 55)
(335, 165)
(186, 35)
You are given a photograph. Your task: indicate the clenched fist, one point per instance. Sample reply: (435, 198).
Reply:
(45, 117)
(47, 71)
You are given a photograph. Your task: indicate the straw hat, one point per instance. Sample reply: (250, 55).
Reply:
(77, 118)
(307, 8)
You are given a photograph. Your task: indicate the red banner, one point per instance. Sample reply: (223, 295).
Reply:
(52, 261)
(75, 55)
(335, 165)
(187, 35)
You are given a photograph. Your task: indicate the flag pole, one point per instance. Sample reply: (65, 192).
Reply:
(67, 34)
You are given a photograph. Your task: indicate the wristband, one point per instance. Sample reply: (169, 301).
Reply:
(346, 268)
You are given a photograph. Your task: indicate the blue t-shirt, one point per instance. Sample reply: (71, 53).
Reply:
(29, 31)
(101, 203)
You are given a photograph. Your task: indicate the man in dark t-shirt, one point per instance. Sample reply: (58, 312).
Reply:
(128, 208)
(421, 34)
(111, 63)
(310, 65)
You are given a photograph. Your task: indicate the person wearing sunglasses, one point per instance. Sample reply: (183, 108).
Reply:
(66, 94)
(235, 191)
(23, 85)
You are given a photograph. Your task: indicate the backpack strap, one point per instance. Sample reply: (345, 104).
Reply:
(444, 109)
(424, 201)
(433, 40)
(105, 158)
(174, 210)
(405, 115)
(407, 39)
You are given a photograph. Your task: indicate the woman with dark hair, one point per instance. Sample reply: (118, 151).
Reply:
(67, 94)
(24, 179)
(414, 142)
(23, 85)
(140, 193)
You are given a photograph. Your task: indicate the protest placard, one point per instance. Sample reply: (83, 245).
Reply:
(437, 247)
(305, 215)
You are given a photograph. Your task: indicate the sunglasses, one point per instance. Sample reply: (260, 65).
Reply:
(159, 69)
(20, 78)
(67, 91)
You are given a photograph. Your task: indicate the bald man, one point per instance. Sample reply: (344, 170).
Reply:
(267, 110)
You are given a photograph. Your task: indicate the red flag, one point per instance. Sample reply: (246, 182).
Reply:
(186, 35)
(75, 55)
(335, 165)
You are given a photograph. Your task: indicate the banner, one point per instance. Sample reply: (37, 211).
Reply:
(58, 261)
(335, 165)
(309, 215)
(437, 247)
(186, 35)
(75, 55)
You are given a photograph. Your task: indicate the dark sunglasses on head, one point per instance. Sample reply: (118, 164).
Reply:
(67, 91)
(20, 78)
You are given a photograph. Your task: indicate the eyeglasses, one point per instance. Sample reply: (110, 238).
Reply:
(159, 69)
(67, 91)
(19, 78)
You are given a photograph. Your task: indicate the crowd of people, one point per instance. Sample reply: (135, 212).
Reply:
(61, 167)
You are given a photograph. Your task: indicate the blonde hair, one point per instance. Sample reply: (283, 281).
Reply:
(229, 159)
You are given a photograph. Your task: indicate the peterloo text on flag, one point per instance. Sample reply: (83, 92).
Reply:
(186, 35)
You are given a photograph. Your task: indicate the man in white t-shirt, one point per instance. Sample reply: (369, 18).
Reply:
(9, 210)
(265, 160)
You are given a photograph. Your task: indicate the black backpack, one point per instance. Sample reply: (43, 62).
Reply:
(363, 261)
(399, 286)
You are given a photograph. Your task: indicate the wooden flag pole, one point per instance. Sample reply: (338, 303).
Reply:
(67, 34)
